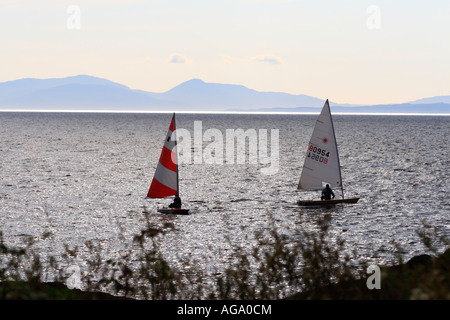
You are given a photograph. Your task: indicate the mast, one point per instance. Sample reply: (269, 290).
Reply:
(337, 152)
(176, 153)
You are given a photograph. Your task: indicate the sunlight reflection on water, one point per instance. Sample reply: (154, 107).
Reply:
(85, 177)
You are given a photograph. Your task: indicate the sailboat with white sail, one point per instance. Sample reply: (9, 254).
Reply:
(321, 164)
(165, 182)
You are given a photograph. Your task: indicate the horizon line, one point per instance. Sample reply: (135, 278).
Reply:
(219, 112)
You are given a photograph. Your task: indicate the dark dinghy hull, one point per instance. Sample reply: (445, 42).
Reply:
(326, 202)
(174, 211)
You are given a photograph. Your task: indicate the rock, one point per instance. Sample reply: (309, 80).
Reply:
(421, 260)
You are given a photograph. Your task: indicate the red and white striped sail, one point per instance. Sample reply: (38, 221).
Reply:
(165, 180)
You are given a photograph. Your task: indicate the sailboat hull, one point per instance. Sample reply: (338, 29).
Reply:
(173, 211)
(326, 202)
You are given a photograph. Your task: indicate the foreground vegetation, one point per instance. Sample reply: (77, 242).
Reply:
(277, 268)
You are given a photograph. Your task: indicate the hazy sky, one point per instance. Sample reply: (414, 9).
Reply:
(350, 51)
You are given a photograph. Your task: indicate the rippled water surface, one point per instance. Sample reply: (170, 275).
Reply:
(84, 176)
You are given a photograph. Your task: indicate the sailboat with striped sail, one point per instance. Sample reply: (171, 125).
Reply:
(165, 182)
(321, 164)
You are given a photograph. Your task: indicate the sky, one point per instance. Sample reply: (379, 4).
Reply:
(348, 51)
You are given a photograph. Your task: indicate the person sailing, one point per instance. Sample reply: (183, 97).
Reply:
(176, 202)
(327, 193)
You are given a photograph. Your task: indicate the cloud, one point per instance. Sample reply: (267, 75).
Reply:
(231, 60)
(146, 60)
(264, 58)
(267, 58)
(178, 58)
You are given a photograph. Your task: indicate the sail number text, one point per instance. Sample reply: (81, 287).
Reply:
(318, 154)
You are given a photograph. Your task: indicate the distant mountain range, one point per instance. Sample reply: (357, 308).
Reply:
(85, 92)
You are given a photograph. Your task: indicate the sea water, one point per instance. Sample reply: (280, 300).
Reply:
(80, 177)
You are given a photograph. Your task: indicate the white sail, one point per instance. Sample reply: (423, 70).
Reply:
(322, 160)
